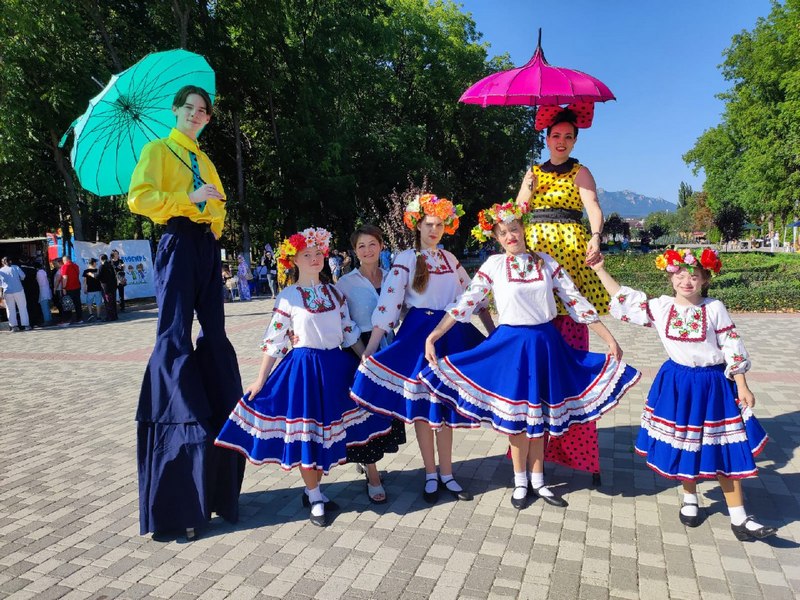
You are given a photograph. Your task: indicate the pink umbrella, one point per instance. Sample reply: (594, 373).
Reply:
(536, 84)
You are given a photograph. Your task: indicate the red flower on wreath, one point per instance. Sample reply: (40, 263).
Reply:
(673, 257)
(709, 260)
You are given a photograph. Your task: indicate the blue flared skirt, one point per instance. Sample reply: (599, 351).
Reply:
(527, 379)
(388, 381)
(303, 416)
(693, 426)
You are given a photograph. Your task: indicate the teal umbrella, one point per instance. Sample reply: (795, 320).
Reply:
(133, 109)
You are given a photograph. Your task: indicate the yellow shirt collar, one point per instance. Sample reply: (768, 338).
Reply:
(184, 140)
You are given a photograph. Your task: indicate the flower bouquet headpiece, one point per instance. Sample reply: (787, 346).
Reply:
(673, 261)
(433, 206)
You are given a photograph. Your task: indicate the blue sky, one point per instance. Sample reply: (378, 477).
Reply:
(659, 58)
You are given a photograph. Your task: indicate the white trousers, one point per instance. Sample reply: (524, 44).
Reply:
(13, 302)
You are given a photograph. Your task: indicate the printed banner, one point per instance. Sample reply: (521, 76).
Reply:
(136, 256)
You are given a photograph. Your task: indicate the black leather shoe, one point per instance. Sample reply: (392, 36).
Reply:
(690, 521)
(329, 505)
(460, 495)
(519, 503)
(431, 497)
(319, 521)
(742, 533)
(596, 481)
(551, 500)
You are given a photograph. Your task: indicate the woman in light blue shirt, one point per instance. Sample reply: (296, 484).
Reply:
(362, 287)
(11, 277)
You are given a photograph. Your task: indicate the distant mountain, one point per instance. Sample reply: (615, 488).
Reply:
(631, 204)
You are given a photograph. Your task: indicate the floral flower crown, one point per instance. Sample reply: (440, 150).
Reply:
(673, 261)
(289, 247)
(433, 206)
(497, 213)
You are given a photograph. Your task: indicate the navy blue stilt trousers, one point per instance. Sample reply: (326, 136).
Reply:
(188, 392)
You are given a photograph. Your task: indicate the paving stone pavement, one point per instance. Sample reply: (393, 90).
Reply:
(69, 520)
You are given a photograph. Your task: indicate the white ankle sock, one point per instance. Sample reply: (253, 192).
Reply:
(431, 482)
(324, 497)
(537, 481)
(450, 483)
(520, 485)
(690, 500)
(315, 495)
(739, 516)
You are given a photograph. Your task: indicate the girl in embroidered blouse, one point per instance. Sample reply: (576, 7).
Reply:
(423, 280)
(697, 422)
(362, 288)
(524, 380)
(300, 414)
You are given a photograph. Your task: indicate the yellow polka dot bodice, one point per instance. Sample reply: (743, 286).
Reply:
(566, 242)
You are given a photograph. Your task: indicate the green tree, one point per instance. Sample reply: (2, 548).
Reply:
(684, 193)
(750, 159)
(659, 224)
(730, 220)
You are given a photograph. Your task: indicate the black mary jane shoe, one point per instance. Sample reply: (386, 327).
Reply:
(431, 497)
(742, 533)
(329, 505)
(551, 500)
(463, 494)
(687, 520)
(519, 503)
(319, 521)
(596, 481)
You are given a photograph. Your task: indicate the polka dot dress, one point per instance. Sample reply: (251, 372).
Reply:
(566, 242)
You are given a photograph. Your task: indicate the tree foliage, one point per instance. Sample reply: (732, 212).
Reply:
(323, 109)
(751, 158)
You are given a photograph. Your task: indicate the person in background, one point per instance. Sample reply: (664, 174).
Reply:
(11, 277)
(58, 285)
(45, 294)
(386, 258)
(71, 286)
(108, 284)
(244, 276)
(272, 271)
(122, 280)
(92, 289)
(335, 265)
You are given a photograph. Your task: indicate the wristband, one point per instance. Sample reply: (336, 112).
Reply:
(596, 234)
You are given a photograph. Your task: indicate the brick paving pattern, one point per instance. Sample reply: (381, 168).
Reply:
(69, 516)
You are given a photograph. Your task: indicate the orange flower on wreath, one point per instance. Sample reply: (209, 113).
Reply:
(431, 205)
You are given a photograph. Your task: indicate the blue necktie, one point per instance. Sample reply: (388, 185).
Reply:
(197, 181)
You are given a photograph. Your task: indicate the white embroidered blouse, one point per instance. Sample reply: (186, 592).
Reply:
(447, 280)
(524, 292)
(693, 336)
(316, 316)
(362, 298)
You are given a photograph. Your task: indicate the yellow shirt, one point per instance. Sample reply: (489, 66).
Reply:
(161, 184)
